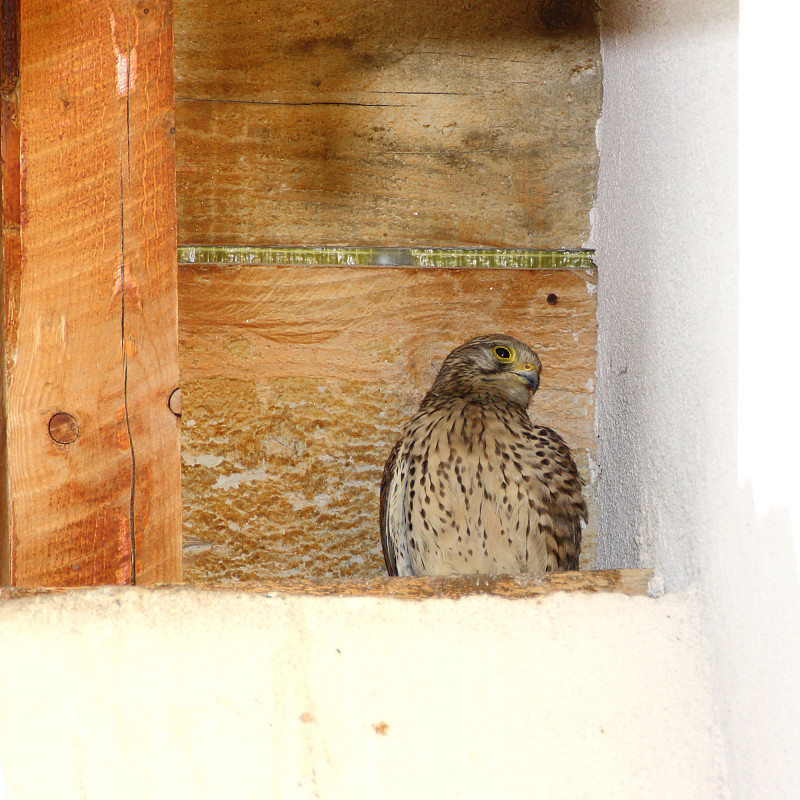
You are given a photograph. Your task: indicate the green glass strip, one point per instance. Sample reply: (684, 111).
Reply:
(421, 257)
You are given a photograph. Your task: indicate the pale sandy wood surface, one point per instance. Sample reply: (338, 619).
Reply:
(90, 449)
(625, 581)
(296, 382)
(424, 122)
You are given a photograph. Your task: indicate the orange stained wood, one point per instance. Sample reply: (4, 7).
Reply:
(91, 449)
(297, 381)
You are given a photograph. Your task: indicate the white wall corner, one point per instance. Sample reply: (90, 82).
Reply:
(674, 298)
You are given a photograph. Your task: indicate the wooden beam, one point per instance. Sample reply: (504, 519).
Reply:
(90, 458)
(624, 581)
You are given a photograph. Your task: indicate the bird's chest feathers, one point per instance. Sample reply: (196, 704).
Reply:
(471, 452)
(469, 490)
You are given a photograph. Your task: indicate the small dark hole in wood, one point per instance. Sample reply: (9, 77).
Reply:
(552, 299)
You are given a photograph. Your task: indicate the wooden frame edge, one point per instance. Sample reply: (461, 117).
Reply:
(625, 581)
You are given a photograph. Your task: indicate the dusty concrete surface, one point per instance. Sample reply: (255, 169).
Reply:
(130, 693)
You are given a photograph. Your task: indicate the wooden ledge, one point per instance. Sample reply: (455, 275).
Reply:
(625, 581)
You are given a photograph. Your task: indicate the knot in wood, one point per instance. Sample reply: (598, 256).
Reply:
(175, 402)
(63, 428)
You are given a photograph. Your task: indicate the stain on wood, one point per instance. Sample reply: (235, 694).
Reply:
(414, 123)
(90, 449)
(11, 250)
(296, 382)
(9, 40)
(632, 582)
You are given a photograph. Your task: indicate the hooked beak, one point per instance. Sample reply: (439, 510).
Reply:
(529, 375)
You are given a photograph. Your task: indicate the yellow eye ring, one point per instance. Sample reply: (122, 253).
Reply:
(505, 355)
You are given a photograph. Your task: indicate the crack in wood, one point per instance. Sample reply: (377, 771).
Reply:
(224, 101)
(434, 94)
(123, 298)
(131, 520)
(454, 152)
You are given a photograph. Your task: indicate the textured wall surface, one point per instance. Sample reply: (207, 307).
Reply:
(125, 693)
(665, 228)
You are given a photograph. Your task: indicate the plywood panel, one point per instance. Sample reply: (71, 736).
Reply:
(297, 380)
(91, 459)
(393, 123)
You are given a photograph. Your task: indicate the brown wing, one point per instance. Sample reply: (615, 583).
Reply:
(563, 500)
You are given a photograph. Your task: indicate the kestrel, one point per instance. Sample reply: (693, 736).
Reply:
(473, 486)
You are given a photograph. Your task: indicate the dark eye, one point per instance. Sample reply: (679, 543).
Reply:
(503, 354)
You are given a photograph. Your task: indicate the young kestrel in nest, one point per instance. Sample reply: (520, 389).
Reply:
(473, 486)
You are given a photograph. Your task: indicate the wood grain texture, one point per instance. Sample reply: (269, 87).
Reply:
(90, 311)
(296, 382)
(150, 295)
(514, 587)
(424, 122)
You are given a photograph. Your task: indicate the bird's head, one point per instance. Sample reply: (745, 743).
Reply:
(493, 366)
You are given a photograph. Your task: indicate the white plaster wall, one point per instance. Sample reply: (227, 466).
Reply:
(665, 232)
(676, 491)
(125, 693)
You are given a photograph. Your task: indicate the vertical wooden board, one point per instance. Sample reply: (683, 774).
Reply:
(150, 292)
(71, 468)
(415, 123)
(11, 248)
(69, 502)
(297, 381)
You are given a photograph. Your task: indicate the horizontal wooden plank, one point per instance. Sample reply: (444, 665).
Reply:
(625, 581)
(426, 123)
(296, 382)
